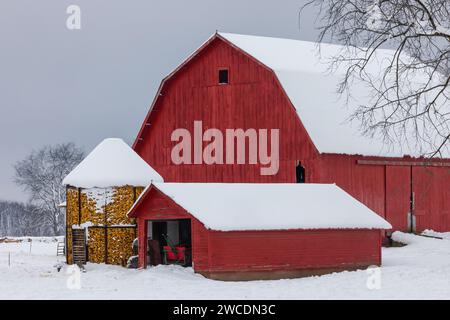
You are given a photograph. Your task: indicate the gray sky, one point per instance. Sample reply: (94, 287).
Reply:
(59, 85)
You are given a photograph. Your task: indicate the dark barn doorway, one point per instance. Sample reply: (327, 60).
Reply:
(300, 173)
(159, 229)
(169, 242)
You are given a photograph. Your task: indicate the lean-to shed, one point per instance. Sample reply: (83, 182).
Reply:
(263, 231)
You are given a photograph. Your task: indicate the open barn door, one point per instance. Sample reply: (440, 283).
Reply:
(169, 242)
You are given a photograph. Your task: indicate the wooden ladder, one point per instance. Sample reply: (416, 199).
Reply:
(79, 246)
(61, 249)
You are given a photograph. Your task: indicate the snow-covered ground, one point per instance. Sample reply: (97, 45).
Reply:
(442, 235)
(420, 270)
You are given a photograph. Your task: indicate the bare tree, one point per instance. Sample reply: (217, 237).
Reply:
(41, 173)
(20, 219)
(412, 87)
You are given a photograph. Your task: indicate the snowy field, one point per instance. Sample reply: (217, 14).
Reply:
(420, 270)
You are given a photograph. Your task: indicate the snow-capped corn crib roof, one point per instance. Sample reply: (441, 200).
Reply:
(112, 163)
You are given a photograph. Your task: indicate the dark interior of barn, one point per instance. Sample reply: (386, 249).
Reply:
(300, 173)
(169, 242)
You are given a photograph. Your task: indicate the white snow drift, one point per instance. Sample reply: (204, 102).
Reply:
(418, 271)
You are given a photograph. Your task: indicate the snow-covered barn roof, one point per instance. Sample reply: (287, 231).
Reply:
(112, 163)
(304, 73)
(246, 206)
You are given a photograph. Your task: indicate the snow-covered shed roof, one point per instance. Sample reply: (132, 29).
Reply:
(247, 206)
(304, 73)
(112, 163)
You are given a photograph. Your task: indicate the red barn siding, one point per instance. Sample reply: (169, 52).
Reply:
(431, 187)
(398, 193)
(293, 249)
(200, 246)
(387, 184)
(365, 183)
(142, 242)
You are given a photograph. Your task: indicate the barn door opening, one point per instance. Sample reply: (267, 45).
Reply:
(169, 242)
(159, 229)
(300, 173)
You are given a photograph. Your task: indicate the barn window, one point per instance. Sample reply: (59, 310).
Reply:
(300, 173)
(223, 76)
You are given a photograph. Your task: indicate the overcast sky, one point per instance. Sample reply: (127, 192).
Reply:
(59, 85)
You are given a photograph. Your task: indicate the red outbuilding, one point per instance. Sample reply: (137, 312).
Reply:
(256, 231)
(257, 83)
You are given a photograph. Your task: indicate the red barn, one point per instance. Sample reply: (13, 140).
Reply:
(260, 231)
(249, 82)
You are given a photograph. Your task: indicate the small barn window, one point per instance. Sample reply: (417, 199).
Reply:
(223, 76)
(300, 173)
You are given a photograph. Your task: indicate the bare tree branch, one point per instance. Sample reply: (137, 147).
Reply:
(411, 86)
(41, 174)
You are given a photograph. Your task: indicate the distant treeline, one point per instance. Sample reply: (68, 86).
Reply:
(19, 219)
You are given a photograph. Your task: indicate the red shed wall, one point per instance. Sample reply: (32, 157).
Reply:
(250, 251)
(253, 99)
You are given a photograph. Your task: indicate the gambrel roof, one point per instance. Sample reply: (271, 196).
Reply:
(304, 75)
